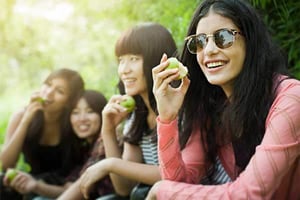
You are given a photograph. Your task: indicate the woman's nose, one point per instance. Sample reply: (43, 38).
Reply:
(210, 47)
(124, 67)
(82, 116)
(49, 92)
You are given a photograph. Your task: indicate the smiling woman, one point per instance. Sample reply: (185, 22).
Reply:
(134, 167)
(86, 115)
(42, 132)
(224, 133)
(86, 120)
(38, 44)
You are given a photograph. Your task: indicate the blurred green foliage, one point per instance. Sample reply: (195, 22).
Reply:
(283, 19)
(37, 37)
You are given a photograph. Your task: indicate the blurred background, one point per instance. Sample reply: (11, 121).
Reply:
(38, 36)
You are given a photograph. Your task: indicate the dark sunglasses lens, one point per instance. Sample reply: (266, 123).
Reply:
(224, 38)
(201, 41)
(196, 43)
(191, 45)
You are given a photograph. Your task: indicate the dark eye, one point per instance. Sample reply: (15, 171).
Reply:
(75, 112)
(48, 83)
(60, 91)
(120, 60)
(89, 111)
(134, 58)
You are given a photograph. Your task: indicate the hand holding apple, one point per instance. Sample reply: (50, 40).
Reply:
(11, 173)
(174, 63)
(41, 100)
(128, 103)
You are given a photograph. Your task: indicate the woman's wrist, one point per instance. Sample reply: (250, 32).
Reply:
(166, 120)
(37, 186)
(107, 127)
(111, 162)
(108, 134)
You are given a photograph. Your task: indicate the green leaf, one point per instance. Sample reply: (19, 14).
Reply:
(22, 165)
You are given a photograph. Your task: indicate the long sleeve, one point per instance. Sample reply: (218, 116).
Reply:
(273, 171)
(186, 166)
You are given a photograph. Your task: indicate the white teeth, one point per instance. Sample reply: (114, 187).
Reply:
(214, 64)
(83, 127)
(129, 80)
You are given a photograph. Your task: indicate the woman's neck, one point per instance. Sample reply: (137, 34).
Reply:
(151, 117)
(52, 117)
(51, 133)
(228, 89)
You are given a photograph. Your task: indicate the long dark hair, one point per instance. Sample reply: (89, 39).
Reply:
(96, 100)
(35, 129)
(242, 120)
(150, 40)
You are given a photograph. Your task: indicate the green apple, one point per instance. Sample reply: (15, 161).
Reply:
(40, 99)
(128, 103)
(174, 63)
(11, 174)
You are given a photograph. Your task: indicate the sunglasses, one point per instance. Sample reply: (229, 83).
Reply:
(223, 38)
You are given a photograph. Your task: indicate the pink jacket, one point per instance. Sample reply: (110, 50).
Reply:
(272, 173)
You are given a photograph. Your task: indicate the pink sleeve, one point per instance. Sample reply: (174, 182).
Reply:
(186, 166)
(269, 167)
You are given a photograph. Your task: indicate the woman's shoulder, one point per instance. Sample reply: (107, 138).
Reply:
(288, 85)
(287, 97)
(287, 90)
(282, 122)
(128, 124)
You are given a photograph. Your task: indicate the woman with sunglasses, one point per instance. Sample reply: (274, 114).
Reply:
(135, 167)
(231, 129)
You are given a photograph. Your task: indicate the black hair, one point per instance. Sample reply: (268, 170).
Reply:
(97, 101)
(151, 41)
(81, 148)
(35, 129)
(242, 120)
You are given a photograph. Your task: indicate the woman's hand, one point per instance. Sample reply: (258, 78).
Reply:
(153, 191)
(23, 183)
(33, 106)
(92, 175)
(169, 99)
(113, 113)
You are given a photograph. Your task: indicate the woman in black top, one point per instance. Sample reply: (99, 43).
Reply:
(42, 132)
